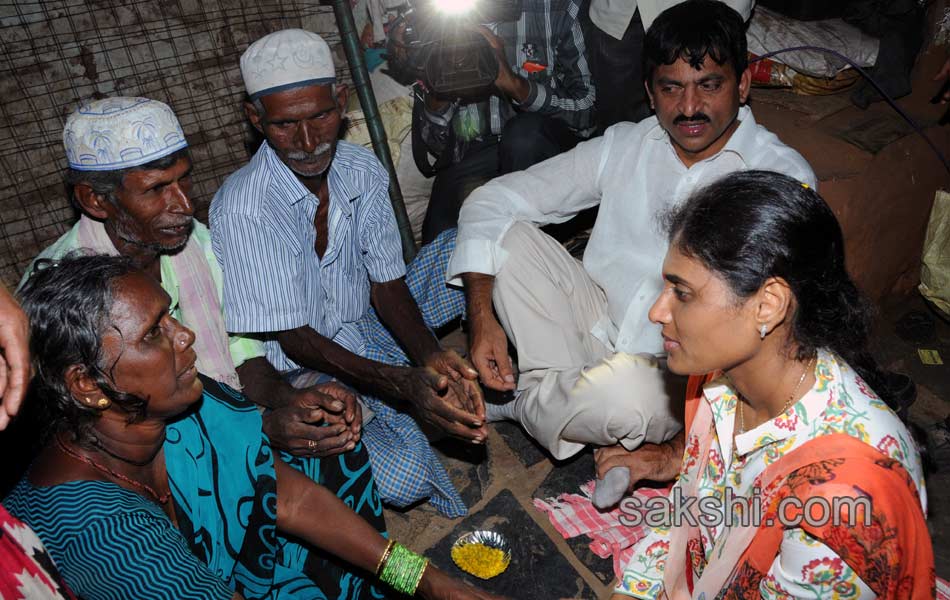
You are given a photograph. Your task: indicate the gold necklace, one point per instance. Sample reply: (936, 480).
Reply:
(788, 402)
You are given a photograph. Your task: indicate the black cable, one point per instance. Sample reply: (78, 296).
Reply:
(867, 76)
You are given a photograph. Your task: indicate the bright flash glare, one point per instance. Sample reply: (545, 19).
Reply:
(454, 7)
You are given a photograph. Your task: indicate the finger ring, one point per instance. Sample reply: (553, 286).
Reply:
(311, 444)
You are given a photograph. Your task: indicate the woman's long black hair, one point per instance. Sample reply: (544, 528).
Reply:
(69, 302)
(753, 225)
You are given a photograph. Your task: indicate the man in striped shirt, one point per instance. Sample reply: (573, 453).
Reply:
(541, 104)
(308, 243)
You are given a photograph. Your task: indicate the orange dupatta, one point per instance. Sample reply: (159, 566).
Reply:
(893, 554)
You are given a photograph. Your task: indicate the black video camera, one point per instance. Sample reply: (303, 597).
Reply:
(440, 46)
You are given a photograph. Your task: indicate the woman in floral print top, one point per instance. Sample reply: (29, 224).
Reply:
(756, 292)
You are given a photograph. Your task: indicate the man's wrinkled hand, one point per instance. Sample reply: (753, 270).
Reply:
(441, 401)
(340, 405)
(463, 381)
(489, 351)
(313, 423)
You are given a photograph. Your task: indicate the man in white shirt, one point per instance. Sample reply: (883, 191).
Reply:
(586, 349)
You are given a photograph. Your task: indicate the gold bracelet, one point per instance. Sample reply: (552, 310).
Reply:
(385, 557)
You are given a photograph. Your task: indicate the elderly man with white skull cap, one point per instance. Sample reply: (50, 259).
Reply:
(307, 239)
(130, 175)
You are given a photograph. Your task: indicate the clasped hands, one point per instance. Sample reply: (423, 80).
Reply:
(321, 420)
(445, 393)
(326, 419)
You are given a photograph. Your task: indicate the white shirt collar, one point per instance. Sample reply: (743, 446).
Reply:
(723, 400)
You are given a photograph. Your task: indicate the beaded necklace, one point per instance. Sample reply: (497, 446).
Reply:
(160, 498)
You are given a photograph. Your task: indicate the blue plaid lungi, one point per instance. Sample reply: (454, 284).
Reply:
(404, 465)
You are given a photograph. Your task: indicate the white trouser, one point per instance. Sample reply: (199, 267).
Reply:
(572, 390)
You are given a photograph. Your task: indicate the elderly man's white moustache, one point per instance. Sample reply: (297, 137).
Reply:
(317, 153)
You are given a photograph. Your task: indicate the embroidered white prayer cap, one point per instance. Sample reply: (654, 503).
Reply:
(121, 132)
(284, 60)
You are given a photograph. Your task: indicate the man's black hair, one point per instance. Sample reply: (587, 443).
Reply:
(692, 31)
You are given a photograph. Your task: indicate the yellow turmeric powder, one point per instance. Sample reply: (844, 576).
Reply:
(480, 560)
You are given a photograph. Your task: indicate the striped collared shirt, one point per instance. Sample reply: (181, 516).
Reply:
(263, 234)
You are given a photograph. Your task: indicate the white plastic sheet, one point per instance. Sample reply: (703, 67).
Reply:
(770, 31)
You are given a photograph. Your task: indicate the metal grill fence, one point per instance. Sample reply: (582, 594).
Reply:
(55, 55)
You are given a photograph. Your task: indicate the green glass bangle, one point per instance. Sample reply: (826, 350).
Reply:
(403, 569)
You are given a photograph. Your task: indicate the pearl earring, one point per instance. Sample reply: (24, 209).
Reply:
(763, 329)
(102, 403)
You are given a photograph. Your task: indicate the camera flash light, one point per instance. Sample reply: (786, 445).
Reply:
(454, 7)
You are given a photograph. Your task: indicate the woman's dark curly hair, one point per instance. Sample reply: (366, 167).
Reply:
(753, 225)
(69, 302)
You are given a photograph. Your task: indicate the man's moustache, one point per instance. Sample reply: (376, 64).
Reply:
(697, 118)
(317, 153)
(148, 245)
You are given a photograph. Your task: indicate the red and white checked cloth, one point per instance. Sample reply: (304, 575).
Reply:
(574, 514)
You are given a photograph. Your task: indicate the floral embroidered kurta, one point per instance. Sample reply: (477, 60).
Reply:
(839, 402)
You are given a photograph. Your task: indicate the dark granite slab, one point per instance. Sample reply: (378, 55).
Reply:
(528, 451)
(538, 570)
(568, 476)
(602, 568)
(468, 466)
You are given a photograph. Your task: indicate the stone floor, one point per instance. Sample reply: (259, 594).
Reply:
(500, 481)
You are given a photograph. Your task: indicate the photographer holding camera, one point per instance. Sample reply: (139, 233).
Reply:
(480, 117)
